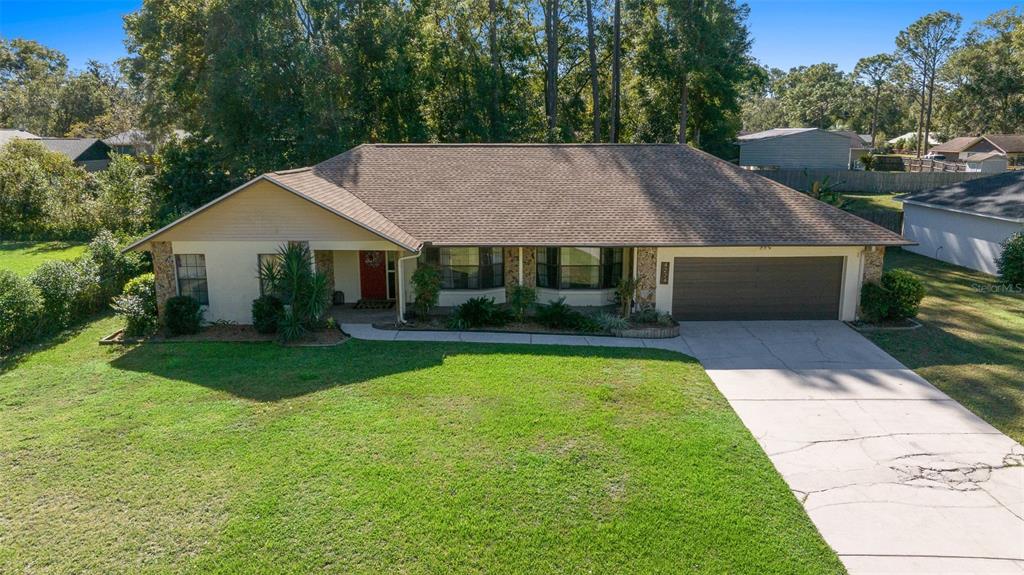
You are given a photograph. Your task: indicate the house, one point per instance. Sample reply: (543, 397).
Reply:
(705, 238)
(965, 223)
(988, 163)
(8, 135)
(136, 142)
(90, 153)
(801, 148)
(953, 148)
(1009, 145)
(909, 140)
(962, 148)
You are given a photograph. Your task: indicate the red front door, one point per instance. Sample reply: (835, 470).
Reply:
(373, 275)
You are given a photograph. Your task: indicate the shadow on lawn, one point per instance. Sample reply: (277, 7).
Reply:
(269, 372)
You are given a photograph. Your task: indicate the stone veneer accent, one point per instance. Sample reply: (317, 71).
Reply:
(511, 261)
(873, 260)
(324, 262)
(647, 274)
(163, 273)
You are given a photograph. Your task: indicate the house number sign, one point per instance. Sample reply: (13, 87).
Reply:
(663, 278)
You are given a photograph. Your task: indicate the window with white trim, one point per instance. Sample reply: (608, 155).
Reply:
(191, 270)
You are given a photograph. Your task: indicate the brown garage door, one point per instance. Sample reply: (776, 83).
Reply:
(756, 288)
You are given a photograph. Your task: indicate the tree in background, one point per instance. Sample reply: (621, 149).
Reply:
(39, 94)
(925, 45)
(876, 71)
(691, 61)
(817, 96)
(986, 78)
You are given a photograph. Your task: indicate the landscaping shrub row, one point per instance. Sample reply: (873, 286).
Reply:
(61, 293)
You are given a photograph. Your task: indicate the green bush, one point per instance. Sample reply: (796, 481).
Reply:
(182, 315)
(521, 299)
(426, 283)
(63, 287)
(137, 305)
(266, 313)
(610, 322)
(559, 315)
(898, 296)
(905, 293)
(113, 267)
(20, 307)
(480, 312)
(1011, 261)
(874, 303)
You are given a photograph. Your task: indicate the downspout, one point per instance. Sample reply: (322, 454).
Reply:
(401, 283)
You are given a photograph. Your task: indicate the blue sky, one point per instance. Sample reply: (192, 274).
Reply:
(786, 33)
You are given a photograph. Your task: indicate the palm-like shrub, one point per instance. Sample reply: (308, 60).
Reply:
(426, 281)
(480, 312)
(304, 292)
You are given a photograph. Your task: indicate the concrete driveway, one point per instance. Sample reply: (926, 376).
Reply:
(898, 477)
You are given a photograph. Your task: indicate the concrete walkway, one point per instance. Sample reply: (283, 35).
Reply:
(897, 476)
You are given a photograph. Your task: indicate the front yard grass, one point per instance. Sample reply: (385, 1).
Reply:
(383, 457)
(23, 257)
(972, 342)
(870, 202)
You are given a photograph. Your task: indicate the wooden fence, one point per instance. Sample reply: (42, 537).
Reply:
(888, 219)
(933, 166)
(868, 182)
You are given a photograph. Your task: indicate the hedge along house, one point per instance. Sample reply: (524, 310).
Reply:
(706, 239)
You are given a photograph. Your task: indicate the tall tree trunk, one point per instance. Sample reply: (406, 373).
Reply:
(684, 106)
(595, 94)
(874, 115)
(551, 33)
(492, 10)
(616, 70)
(928, 114)
(920, 115)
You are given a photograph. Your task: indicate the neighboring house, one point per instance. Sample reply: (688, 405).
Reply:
(953, 148)
(136, 142)
(706, 239)
(801, 148)
(964, 147)
(909, 140)
(965, 223)
(90, 153)
(8, 135)
(988, 163)
(1009, 145)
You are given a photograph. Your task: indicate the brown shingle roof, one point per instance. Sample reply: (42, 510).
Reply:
(599, 195)
(340, 201)
(956, 144)
(1008, 143)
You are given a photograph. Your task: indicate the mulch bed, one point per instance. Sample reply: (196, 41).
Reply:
(233, 333)
(374, 304)
(440, 324)
(901, 325)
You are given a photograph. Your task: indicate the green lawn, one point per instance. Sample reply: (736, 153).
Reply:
(23, 257)
(382, 456)
(972, 342)
(869, 202)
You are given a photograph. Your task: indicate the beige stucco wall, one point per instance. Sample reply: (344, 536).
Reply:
(346, 274)
(852, 269)
(265, 211)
